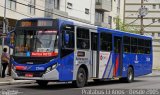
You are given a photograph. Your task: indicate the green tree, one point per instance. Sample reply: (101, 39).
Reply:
(126, 27)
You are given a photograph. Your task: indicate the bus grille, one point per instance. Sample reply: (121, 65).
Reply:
(32, 60)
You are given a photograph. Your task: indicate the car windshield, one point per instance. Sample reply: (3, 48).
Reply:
(35, 43)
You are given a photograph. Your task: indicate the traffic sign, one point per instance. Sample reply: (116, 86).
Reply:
(3, 35)
(143, 11)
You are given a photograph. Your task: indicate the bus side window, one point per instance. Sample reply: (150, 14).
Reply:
(83, 37)
(106, 41)
(134, 45)
(127, 44)
(148, 46)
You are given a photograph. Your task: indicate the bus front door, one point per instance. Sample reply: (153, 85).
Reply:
(118, 66)
(94, 54)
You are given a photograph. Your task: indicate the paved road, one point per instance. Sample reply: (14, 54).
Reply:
(67, 89)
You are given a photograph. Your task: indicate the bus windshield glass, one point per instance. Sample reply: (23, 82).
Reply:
(36, 43)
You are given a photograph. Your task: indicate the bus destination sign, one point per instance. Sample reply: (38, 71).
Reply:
(39, 23)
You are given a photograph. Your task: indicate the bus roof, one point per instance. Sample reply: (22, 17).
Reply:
(77, 23)
(122, 33)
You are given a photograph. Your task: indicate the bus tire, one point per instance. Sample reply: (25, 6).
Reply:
(42, 83)
(81, 78)
(130, 75)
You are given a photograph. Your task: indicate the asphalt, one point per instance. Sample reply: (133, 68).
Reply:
(9, 81)
(141, 86)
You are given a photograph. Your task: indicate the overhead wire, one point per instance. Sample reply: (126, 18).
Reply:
(15, 11)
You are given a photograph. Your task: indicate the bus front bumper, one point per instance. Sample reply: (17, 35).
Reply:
(52, 75)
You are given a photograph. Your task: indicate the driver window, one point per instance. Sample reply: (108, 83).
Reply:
(67, 40)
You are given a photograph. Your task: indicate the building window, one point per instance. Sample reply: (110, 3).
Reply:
(154, 6)
(153, 20)
(118, 7)
(69, 5)
(110, 21)
(98, 2)
(86, 11)
(153, 34)
(99, 16)
(11, 4)
(158, 20)
(50, 5)
(158, 34)
(56, 4)
(31, 7)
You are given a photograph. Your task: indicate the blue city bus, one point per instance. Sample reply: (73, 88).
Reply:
(47, 50)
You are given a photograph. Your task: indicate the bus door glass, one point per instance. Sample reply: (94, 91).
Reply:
(83, 47)
(118, 56)
(94, 55)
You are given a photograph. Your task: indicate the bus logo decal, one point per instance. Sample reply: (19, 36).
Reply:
(136, 61)
(148, 59)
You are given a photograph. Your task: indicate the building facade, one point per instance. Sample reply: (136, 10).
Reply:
(151, 22)
(107, 12)
(79, 10)
(18, 9)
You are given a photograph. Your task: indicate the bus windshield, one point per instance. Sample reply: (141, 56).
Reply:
(35, 43)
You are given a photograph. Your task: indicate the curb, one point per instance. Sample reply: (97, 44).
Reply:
(152, 75)
(156, 69)
(155, 73)
(16, 82)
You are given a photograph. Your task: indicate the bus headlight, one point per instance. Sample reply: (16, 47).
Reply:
(48, 69)
(54, 66)
(51, 68)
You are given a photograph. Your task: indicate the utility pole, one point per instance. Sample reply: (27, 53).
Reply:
(142, 27)
(124, 11)
(4, 31)
(4, 23)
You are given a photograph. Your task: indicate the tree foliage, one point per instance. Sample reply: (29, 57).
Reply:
(126, 27)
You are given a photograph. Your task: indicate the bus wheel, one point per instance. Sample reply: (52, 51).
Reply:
(130, 75)
(42, 83)
(81, 78)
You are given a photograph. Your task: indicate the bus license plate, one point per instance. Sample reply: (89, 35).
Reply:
(29, 75)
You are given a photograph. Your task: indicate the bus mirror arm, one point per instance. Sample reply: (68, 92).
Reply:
(10, 39)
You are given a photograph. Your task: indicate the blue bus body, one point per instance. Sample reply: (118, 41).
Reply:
(142, 63)
(98, 63)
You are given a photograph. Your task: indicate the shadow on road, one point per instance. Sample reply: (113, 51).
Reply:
(61, 86)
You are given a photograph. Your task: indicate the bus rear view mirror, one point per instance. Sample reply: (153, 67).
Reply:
(10, 39)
